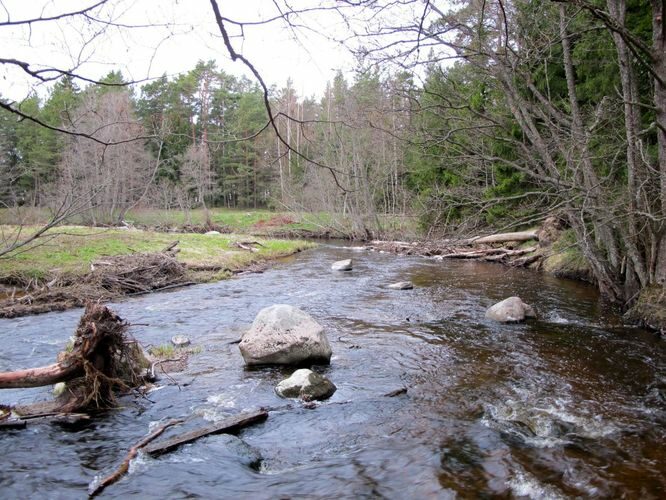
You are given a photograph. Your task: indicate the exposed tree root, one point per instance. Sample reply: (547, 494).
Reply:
(102, 360)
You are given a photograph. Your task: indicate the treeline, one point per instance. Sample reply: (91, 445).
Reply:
(204, 139)
(169, 143)
(550, 108)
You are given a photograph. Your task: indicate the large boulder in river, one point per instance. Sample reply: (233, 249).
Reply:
(284, 335)
(307, 385)
(511, 310)
(342, 265)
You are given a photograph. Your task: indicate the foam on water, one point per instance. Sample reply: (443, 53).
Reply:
(523, 484)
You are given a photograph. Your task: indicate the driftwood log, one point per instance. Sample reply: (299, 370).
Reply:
(483, 248)
(228, 425)
(505, 237)
(102, 359)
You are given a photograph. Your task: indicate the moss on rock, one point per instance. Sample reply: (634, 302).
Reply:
(650, 308)
(565, 260)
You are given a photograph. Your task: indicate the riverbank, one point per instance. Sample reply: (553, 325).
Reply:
(71, 264)
(548, 249)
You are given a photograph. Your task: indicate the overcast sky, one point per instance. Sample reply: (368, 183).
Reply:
(175, 35)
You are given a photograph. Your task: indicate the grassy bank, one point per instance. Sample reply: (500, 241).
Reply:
(564, 259)
(264, 223)
(71, 250)
(72, 263)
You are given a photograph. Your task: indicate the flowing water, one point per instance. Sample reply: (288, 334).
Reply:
(570, 405)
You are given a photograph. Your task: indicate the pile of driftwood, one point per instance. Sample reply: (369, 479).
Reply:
(136, 273)
(506, 248)
(110, 278)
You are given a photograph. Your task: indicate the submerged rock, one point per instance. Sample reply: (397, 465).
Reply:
(235, 448)
(511, 310)
(282, 334)
(342, 265)
(401, 285)
(307, 385)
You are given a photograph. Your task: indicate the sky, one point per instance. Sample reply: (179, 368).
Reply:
(168, 36)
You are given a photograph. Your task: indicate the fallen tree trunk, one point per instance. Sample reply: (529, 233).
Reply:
(489, 254)
(38, 377)
(503, 238)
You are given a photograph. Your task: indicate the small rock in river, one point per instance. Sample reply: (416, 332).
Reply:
(180, 341)
(307, 385)
(342, 265)
(511, 310)
(401, 285)
(59, 388)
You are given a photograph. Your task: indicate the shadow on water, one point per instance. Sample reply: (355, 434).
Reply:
(570, 405)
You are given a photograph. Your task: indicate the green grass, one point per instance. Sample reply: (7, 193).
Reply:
(162, 351)
(238, 221)
(71, 250)
(166, 351)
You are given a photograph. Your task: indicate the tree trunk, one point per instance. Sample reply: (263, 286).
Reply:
(504, 237)
(38, 377)
(590, 180)
(659, 64)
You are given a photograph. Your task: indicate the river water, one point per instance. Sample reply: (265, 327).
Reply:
(569, 405)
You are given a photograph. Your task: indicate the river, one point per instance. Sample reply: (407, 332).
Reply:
(569, 405)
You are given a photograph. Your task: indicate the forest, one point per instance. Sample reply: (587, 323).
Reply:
(494, 116)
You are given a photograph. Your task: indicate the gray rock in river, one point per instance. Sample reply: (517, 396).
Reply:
(307, 385)
(511, 310)
(401, 285)
(180, 341)
(284, 335)
(342, 265)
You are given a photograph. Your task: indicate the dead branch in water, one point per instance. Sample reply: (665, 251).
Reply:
(228, 425)
(97, 487)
